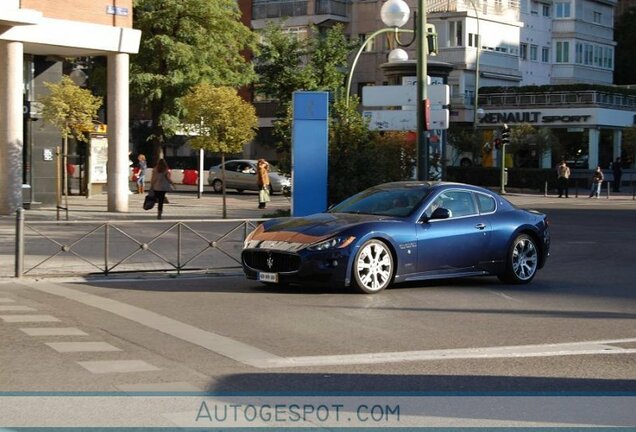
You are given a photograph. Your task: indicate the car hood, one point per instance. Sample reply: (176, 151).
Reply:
(298, 232)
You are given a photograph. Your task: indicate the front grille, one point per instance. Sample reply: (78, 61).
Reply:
(273, 262)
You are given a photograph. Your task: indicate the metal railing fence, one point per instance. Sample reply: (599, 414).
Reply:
(127, 246)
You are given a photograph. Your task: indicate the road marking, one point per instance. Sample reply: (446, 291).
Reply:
(258, 358)
(28, 318)
(506, 296)
(53, 331)
(16, 308)
(518, 351)
(221, 345)
(117, 366)
(6, 300)
(65, 347)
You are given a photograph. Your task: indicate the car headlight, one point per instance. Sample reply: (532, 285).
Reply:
(338, 242)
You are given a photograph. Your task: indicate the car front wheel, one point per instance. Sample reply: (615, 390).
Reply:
(217, 185)
(522, 261)
(373, 267)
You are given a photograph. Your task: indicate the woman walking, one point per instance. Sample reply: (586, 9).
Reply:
(597, 181)
(161, 183)
(262, 174)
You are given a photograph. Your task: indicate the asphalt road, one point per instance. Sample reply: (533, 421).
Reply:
(571, 330)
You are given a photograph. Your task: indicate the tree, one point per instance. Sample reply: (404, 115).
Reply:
(185, 42)
(220, 120)
(71, 110)
(625, 36)
(529, 144)
(287, 64)
(629, 146)
(465, 141)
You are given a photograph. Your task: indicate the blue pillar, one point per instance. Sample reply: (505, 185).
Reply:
(309, 152)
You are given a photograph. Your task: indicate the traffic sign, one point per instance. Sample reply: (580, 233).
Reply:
(404, 120)
(395, 95)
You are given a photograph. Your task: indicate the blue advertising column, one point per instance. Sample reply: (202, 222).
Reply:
(309, 152)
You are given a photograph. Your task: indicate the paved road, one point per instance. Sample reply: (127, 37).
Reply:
(571, 330)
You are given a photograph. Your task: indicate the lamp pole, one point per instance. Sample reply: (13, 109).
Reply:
(421, 75)
(477, 46)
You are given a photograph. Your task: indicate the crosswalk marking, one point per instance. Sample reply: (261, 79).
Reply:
(117, 366)
(53, 331)
(65, 347)
(28, 318)
(6, 300)
(16, 308)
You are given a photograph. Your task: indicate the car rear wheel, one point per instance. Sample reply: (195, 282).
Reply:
(522, 261)
(373, 267)
(217, 186)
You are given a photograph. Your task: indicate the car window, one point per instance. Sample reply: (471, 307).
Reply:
(486, 203)
(460, 203)
(232, 166)
(385, 202)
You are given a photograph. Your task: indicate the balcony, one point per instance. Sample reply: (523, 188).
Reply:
(262, 9)
(573, 98)
(331, 7)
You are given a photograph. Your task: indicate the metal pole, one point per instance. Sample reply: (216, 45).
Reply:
(477, 44)
(422, 73)
(502, 189)
(19, 242)
(200, 176)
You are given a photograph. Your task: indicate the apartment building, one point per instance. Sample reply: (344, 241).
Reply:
(36, 36)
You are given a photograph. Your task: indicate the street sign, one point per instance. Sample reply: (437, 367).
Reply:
(395, 95)
(404, 120)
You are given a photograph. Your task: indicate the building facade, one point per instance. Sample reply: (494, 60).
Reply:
(35, 38)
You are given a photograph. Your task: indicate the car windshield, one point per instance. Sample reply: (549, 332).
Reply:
(397, 201)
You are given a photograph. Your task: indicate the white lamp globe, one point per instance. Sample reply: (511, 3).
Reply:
(395, 13)
(398, 55)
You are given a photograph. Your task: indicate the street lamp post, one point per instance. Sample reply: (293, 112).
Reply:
(394, 14)
(477, 46)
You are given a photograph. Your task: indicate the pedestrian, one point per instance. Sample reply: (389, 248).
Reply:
(262, 179)
(597, 181)
(161, 183)
(141, 175)
(563, 177)
(617, 171)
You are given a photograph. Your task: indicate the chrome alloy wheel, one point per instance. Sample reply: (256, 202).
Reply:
(373, 267)
(524, 258)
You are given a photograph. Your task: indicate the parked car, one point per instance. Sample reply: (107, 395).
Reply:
(240, 174)
(398, 232)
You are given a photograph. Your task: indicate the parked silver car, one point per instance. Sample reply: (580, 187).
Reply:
(240, 174)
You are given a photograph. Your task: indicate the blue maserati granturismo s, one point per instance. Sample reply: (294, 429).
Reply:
(399, 232)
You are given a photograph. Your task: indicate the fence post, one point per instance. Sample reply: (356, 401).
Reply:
(178, 248)
(19, 242)
(545, 189)
(106, 248)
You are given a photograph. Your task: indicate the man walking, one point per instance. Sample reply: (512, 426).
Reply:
(563, 177)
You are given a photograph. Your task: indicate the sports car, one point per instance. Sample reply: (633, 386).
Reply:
(399, 232)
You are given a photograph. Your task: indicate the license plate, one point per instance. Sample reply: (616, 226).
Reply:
(268, 277)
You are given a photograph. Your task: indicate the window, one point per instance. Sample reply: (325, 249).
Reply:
(562, 10)
(473, 40)
(523, 51)
(608, 58)
(578, 53)
(459, 203)
(534, 52)
(486, 203)
(598, 56)
(545, 55)
(534, 8)
(455, 34)
(563, 52)
(597, 17)
(545, 10)
(370, 47)
(589, 54)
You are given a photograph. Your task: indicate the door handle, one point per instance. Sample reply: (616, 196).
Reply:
(480, 226)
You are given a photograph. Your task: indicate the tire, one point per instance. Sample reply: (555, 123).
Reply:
(373, 267)
(522, 261)
(217, 186)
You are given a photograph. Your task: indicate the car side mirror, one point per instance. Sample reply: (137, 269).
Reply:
(440, 213)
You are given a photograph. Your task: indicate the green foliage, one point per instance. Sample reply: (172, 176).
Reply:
(185, 42)
(529, 143)
(625, 36)
(465, 140)
(287, 64)
(360, 158)
(70, 109)
(222, 121)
